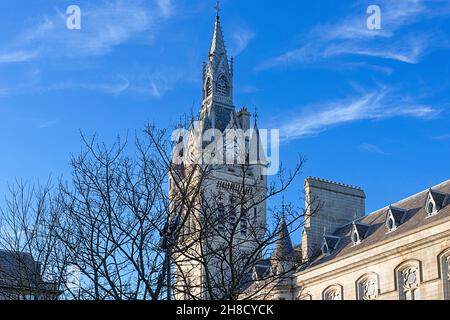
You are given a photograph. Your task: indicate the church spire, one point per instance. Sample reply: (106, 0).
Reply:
(218, 76)
(218, 43)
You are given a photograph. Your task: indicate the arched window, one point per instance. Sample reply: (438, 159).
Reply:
(244, 224)
(221, 217)
(223, 87)
(333, 293)
(444, 260)
(430, 206)
(391, 224)
(232, 214)
(408, 281)
(368, 287)
(209, 87)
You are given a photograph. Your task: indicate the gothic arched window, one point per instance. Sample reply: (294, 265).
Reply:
(367, 287)
(209, 87)
(221, 217)
(232, 214)
(408, 278)
(223, 88)
(444, 261)
(333, 293)
(244, 222)
(430, 206)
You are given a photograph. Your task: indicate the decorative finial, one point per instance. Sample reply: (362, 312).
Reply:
(217, 9)
(283, 208)
(255, 116)
(324, 231)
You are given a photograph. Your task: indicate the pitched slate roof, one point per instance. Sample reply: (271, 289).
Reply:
(414, 217)
(18, 266)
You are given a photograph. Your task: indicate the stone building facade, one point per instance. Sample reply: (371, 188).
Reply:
(400, 252)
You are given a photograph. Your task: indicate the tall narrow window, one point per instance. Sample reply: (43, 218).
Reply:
(409, 281)
(222, 86)
(221, 218)
(368, 287)
(244, 224)
(208, 87)
(232, 215)
(445, 273)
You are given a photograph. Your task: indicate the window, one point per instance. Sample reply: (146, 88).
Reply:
(445, 272)
(367, 287)
(232, 215)
(221, 217)
(333, 293)
(409, 281)
(244, 224)
(355, 235)
(208, 87)
(391, 224)
(223, 87)
(329, 244)
(430, 206)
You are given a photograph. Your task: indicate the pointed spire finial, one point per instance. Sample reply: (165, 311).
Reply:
(255, 116)
(218, 10)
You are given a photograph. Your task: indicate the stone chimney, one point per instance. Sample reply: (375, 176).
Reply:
(244, 118)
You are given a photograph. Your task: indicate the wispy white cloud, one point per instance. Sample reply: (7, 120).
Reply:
(17, 56)
(241, 38)
(375, 105)
(104, 26)
(371, 148)
(443, 137)
(166, 7)
(151, 84)
(116, 87)
(350, 36)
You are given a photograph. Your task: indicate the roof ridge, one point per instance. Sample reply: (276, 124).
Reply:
(396, 204)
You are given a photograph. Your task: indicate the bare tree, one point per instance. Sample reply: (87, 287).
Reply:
(32, 261)
(130, 215)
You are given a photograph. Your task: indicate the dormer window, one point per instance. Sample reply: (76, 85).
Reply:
(394, 218)
(329, 244)
(359, 232)
(435, 201)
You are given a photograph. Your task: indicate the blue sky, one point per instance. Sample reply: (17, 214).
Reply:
(368, 108)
